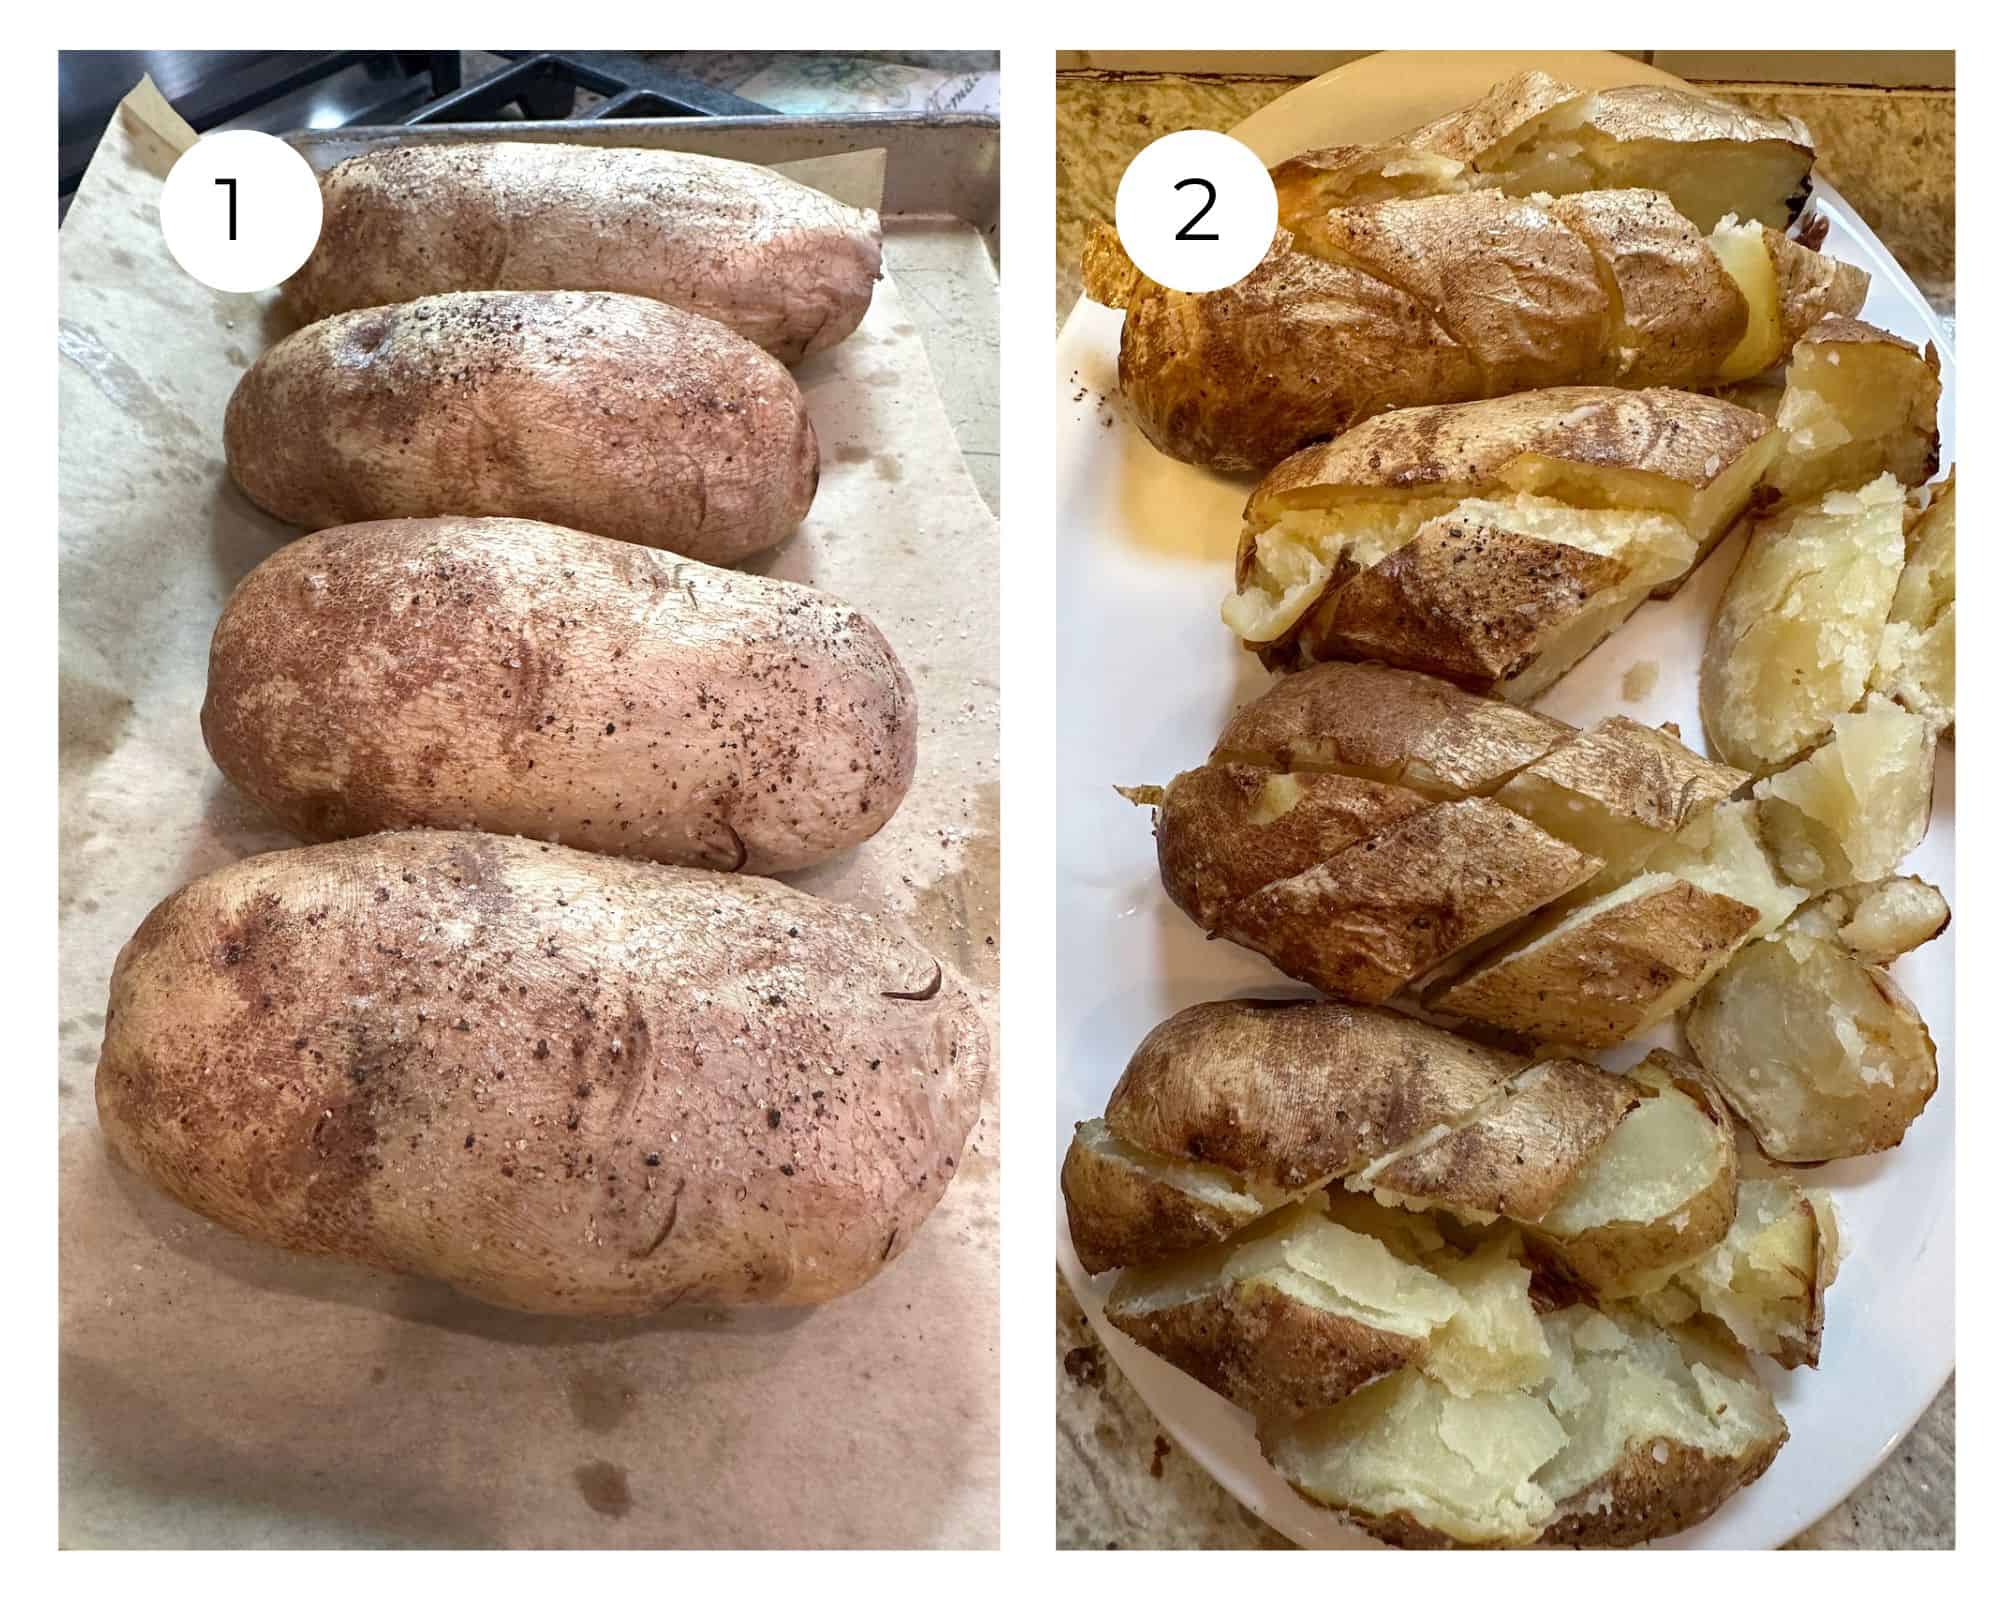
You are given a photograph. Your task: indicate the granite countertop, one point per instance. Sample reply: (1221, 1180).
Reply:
(1119, 1482)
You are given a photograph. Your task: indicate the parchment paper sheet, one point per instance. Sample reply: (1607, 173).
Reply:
(216, 1392)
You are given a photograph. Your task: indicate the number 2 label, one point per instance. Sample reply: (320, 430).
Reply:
(1196, 211)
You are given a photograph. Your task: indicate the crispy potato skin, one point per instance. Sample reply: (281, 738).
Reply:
(1288, 1093)
(605, 412)
(559, 1082)
(787, 267)
(518, 678)
(1437, 300)
(1265, 1351)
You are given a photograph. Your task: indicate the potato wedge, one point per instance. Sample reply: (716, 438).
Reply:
(1917, 662)
(1878, 921)
(1858, 402)
(1858, 804)
(1127, 1204)
(1800, 625)
(1817, 1051)
(1493, 544)
(1767, 1280)
(1660, 1191)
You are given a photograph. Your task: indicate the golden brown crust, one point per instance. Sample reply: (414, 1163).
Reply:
(1214, 849)
(1400, 727)
(1120, 1216)
(1517, 1157)
(1363, 923)
(1812, 286)
(1604, 978)
(1293, 1093)
(1271, 1354)
(1683, 439)
(518, 678)
(1463, 600)
(557, 1081)
(609, 413)
(1109, 275)
(785, 266)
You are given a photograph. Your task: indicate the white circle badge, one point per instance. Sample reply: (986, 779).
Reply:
(1196, 210)
(241, 211)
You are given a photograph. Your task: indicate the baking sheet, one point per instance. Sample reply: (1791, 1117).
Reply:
(1144, 551)
(216, 1392)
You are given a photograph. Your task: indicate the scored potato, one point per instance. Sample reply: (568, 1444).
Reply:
(1817, 1051)
(1493, 543)
(1127, 1204)
(1800, 624)
(1917, 666)
(1858, 804)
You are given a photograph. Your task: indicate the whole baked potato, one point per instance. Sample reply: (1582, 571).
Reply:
(605, 412)
(787, 267)
(556, 1081)
(465, 672)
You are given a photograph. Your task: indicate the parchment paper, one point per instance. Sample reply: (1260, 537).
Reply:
(216, 1392)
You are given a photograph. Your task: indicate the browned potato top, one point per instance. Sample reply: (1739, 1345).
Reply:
(520, 678)
(787, 267)
(557, 1081)
(605, 412)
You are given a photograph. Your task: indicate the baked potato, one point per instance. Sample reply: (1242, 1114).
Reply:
(556, 1081)
(1857, 402)
(1364, 828)
(1766, 1282)
(1858, 804)
(517, 678)
(605, 412)
(1494, 543)
(1813, 1044)
(1800, 626)
(1635, 1433)
(785, 266)
(1917, 663)
(1535, 134)
(1367, 309)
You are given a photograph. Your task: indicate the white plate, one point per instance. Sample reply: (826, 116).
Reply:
(1148, 675)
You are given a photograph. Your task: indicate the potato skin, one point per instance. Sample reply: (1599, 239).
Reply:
(558, 1082)
(517, 678)
(785, 266)
(605, 412)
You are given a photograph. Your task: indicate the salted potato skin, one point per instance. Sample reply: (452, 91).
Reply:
(606, 412)
(518, 678)
(787, 267)
(556, 1081)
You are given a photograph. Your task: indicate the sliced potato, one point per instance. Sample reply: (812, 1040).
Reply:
(1495, 1340)
(1917, 665)
(1858, 402)
(1878, 921)
(1818, 1052)
(1659, 1192)
(1723, 853)
(1289, 1317)
(1660, 1427)
(1800, 624)
(1127, 1204)
(1858, 804)
(1767, 1280)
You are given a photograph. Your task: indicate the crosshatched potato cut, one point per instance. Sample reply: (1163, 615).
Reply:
(785, 266)
(517, 678)
(605, 412)
(556, 1081)
(1494, 543)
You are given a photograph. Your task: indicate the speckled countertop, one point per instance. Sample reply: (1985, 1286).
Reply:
(1119, 1483)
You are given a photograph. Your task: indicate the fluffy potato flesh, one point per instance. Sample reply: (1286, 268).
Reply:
(1857, 403)
(1744, 255)
(1633, 1434)
(1819, 1053)
(1796, 637)
(1723, 854)
(1766, 1280)
(1918, 662)
(1858, 804)
(1878, 921)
